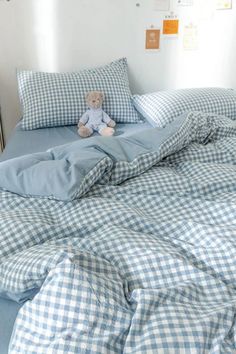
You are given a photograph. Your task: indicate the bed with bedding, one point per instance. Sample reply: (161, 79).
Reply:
(122, 244)
(132, 252)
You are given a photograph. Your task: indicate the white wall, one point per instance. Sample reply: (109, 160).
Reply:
(211, 65)
(56, 35)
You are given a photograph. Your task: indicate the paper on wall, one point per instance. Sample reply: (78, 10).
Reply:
(171, 27)
(223, 4)
(190, 37)
(153, 36)
(161, 5)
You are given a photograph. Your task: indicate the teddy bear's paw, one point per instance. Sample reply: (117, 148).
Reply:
(84, 132)
(107, 131)
(80, 124)
(112, 123)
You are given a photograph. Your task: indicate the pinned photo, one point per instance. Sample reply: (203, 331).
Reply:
(153, 39)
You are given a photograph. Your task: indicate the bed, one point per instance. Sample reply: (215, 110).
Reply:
(141, 258)
(120, 244)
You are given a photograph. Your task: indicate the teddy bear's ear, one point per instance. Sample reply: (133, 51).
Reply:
(103, 96)
(87, 95)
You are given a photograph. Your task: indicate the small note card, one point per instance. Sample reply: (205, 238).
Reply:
(190, 37)
(223, 4)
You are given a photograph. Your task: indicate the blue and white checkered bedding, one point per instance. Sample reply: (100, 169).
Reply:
(143, 266)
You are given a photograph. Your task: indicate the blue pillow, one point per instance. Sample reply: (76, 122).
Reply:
(58, 99)
(160, 108)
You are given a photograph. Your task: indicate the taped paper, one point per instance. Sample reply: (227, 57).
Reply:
(190, 37)
(223, 4)
(171, 27)
(153, 39)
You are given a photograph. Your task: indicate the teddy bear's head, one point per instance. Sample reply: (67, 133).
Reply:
(94, 99)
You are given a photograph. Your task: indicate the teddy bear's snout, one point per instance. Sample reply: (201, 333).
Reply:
(97, 103)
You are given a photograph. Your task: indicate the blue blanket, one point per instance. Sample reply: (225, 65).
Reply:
(68, 171)
(132, 251)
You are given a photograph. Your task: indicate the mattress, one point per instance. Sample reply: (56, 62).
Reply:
(25, 142)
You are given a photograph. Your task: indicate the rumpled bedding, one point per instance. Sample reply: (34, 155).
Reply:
(133, 251)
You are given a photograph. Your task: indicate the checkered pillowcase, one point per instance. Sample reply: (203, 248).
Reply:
(58, 99)
(162, 107)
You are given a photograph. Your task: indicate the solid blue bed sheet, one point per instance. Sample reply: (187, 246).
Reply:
(24, 142)
(8, 313)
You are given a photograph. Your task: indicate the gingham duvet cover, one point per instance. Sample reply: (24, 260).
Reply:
(143, 266)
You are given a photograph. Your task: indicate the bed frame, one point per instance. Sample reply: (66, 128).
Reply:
(2, 142)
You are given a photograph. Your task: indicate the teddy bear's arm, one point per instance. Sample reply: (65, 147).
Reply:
(84, 119)
(105, 117)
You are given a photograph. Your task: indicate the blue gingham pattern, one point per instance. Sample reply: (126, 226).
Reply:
(160, 108)
(146, 266)
(58, 99)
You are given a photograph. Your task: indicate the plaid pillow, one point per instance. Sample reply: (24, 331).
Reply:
(57, 99)
(162, 107)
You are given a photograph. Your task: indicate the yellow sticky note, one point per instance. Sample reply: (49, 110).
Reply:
(170, 27)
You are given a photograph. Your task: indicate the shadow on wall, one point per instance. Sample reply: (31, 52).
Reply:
(28, 41)
(8, 42)
(71, 35)
(44, 43)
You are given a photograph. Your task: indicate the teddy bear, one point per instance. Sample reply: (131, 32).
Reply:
(95, 119)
